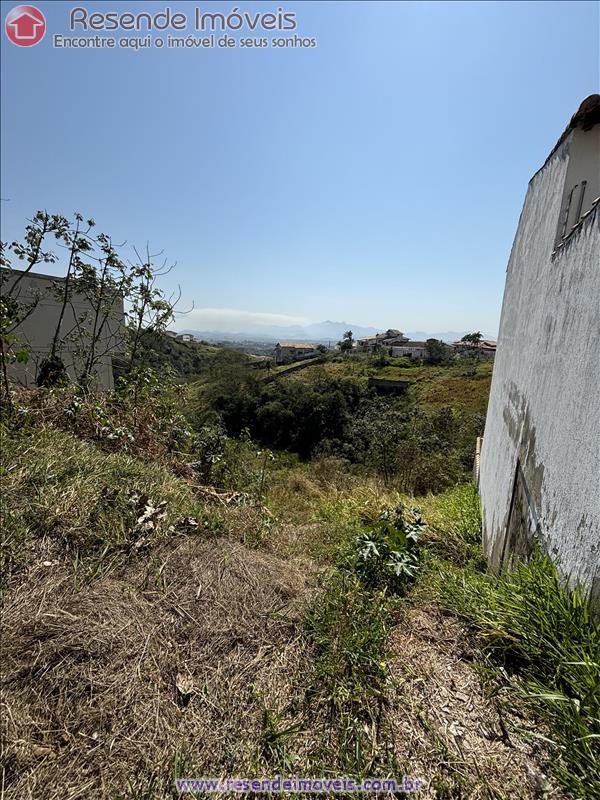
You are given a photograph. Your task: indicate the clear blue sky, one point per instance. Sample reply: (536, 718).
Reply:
(377, 178)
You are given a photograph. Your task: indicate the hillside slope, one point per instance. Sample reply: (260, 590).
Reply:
(459, 385)
(158, 628)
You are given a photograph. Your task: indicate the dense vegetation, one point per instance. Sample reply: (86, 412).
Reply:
(159, 351)
(417, 447)
(186, 360)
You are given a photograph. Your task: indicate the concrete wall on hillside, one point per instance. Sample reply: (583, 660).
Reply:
(540, 460)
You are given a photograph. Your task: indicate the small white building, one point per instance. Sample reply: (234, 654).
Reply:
(286, 352)
(408, 349)
(186, 338)
(392, 343)
(371, 344)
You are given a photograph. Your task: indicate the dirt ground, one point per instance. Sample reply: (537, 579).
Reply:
(173, 664)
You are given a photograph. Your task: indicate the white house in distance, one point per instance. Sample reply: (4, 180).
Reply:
(186, 338)
(372, 344)
(286, 352)
(408, 349)
(539, 473)
(393, 343)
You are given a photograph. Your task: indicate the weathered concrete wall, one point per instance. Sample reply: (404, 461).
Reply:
(540, 461)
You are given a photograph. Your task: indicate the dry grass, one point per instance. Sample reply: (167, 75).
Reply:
(447, 729)
(113, 688)
(65, 500)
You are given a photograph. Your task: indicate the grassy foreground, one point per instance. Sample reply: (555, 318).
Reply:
(156, 627)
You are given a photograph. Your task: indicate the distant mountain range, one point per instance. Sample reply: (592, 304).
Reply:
(319, 332)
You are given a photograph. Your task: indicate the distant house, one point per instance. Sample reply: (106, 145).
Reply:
(371, 344)
(187, 338)
(486, 348)
(409, 349)
(286, 352)
(392, 343)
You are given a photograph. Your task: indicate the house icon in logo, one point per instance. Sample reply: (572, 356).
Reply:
(25, 25)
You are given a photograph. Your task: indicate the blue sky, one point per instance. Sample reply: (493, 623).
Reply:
(376, 178)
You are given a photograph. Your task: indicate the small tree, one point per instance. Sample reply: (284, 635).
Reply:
(377, 436)
(76, 238)
(347, 342)
(8, 341)
(14, 308)
(435, 351)
(94, 272)
(104, 285)
(150, 311)
(473, 339)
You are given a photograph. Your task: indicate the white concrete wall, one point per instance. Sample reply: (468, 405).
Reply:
(418, 351)
(37, 330)
(544, 407)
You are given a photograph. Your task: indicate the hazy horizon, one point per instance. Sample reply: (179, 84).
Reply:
(227, 320)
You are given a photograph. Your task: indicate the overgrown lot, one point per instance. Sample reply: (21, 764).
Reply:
(177, 603)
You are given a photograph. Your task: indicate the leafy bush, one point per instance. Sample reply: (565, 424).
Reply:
(386, 554)
(210, 443)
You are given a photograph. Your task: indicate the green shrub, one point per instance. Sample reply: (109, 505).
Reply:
(386, 554)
